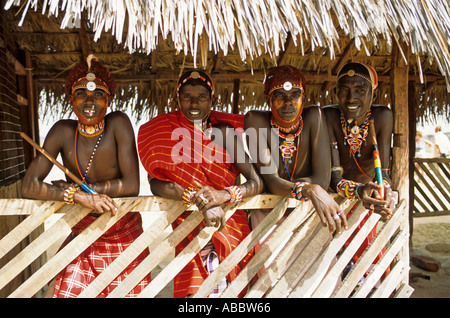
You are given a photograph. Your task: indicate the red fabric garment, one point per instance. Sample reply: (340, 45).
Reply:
(71, 281)
(155, 145)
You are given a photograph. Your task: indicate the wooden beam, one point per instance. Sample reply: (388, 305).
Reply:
(256, 76)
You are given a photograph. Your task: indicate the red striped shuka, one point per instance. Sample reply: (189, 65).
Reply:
(159, 151)
(83, 270)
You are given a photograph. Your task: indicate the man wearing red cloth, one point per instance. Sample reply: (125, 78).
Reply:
(194, 154)
(101, 150)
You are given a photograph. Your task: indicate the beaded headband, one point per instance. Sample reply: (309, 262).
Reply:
(287, 86)
(372, 76)
(196, 75)
(91, 85)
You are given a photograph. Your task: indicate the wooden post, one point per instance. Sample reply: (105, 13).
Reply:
(399, 98)
(31, 98)
(412, 105)
(400, 151)
(236, 84)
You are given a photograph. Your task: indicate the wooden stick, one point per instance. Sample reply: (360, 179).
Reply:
(83, 185)
(376, 157)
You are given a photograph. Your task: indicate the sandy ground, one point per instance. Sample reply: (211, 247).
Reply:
(431, 237)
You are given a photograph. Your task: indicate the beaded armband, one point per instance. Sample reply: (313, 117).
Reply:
(386, 184)
(347, 189)
(235, 193)
(297, 191)
(68, 194)
(187, 195)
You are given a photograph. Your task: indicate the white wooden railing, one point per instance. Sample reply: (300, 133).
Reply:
(309, 264)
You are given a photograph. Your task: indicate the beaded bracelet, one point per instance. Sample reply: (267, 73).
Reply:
(68, 194)
(297, 191)
(347, 189)
(386, 184)
(235, 193)
(187, 195)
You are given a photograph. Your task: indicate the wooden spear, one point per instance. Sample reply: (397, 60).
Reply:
(83, 185)
(376, 157)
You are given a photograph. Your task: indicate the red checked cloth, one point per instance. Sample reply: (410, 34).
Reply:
(71, 281)
(155, 145)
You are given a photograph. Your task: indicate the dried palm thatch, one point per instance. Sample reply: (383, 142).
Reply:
(147, 44)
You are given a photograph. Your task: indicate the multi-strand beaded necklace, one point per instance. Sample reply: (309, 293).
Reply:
(355, 135)
(287, 148)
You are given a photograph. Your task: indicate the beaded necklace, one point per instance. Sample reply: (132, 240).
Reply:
(287, 148)
(84, 174)
(355, 135)
(91, 130)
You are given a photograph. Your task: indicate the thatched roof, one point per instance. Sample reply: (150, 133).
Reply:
(147, 44)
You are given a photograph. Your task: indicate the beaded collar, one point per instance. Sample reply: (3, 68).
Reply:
(91, 130)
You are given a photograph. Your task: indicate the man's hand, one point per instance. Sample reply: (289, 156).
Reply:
(369, 194)
(329, 211)
(100, 203)
(215, 217)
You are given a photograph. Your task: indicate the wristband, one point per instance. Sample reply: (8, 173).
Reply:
(347, 189)
(68, 194)
(235, 193)
(297, 191)
(187, 195)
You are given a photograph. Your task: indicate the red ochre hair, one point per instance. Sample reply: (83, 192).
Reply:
(81, 69)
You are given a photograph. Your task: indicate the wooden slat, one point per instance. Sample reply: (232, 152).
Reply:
(400, 241)
(162, 251)
(72, 250)
(305, 265)
(133, 251)
(394, 280)
(373, 250)
(435, 185)
(184, 257)
(242, 280)
(10, 240)
(296, 245)
(280, 235)
(242, 249)
(41, 244)
(315, 275)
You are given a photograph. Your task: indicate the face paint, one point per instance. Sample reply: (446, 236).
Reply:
(286, 105)
(89, 106)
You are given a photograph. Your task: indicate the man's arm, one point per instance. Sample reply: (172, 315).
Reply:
(33, 185)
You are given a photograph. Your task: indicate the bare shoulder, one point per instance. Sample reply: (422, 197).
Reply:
(118, 120)
(257, 118)
(311, 114)
(62, 129)
(117, 116)
(381, 112)
(312, 109)
(331, 110)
